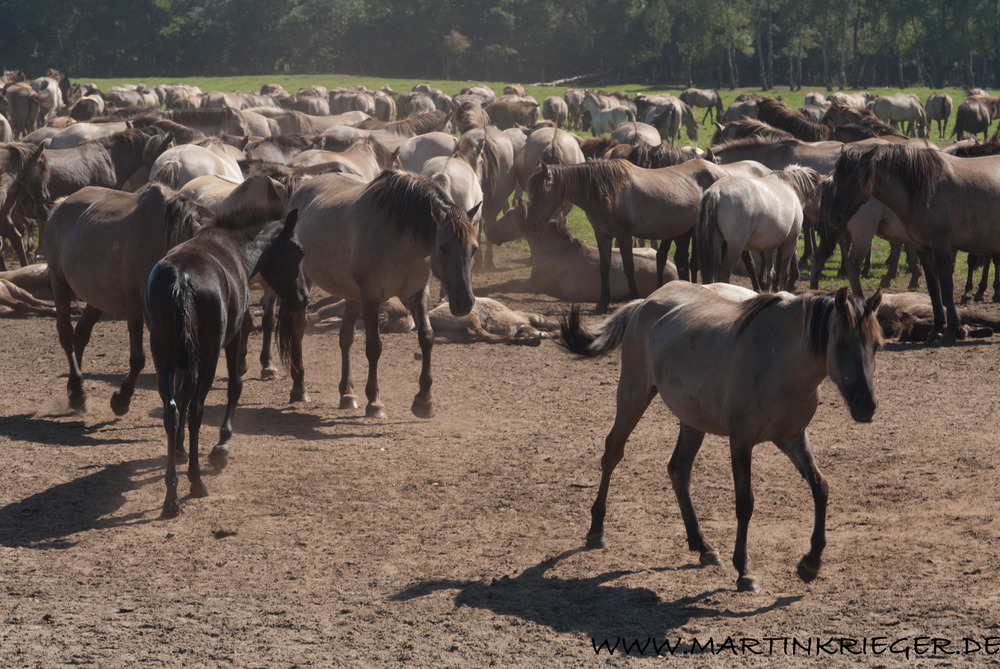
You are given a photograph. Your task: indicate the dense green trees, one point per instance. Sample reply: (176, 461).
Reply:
(767, 43)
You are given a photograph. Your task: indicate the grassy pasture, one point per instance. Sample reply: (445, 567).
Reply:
(578, 222)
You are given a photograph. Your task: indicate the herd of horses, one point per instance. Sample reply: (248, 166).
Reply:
(180, 209)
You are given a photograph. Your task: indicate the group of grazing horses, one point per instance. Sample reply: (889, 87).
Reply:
(351, 223)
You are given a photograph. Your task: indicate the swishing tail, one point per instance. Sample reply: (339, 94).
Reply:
(604, 338)
(706, 232)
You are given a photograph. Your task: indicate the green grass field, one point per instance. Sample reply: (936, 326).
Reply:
(577, 222)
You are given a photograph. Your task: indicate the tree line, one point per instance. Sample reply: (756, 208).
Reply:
(720, 43)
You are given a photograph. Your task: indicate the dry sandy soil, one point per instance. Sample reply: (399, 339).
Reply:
(335, 540)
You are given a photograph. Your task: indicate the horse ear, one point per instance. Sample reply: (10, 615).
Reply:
(718, 126)
(875, 301)
(472, 212)
(840, 299)
(290, 220)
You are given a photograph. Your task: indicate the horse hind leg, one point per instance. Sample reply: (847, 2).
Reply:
(219, 456)
(688, 443)
(801, 455)
(268, 370)
(61, 296)
(122, 398)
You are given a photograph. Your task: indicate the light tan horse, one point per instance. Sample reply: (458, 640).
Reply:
(623, 201)
(699, 97)
(756, 214)
(367, 242)
(748, 370)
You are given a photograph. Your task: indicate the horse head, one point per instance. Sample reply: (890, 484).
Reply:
(510, 226)
(854, 337)
(853, 181)
(453, 252)
(543, 195)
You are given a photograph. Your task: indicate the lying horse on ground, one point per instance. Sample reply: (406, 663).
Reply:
(698, 350)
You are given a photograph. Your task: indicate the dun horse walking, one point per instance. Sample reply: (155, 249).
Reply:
(747, 370)
(196, 304)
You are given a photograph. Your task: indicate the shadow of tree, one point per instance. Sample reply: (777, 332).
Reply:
(586, 605)
(46, 519)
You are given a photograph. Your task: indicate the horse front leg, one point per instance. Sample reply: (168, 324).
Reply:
(688, 443)
(945, 261)
(373, 351)
(604, 267)
(891, 264)
(219, 457)
(984, 282)
(973, 261)
(934, 292)
(10, 231)
(628, 266)
(268, 370)
(684, 257)
(348, 400)
(422, 406)
(800, 452)
(632, 403)
(122, 398)
(662, 252)
(740, 453)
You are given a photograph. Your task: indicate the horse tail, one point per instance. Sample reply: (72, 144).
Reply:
(169, 174)
(706, 232)
(291, 326)
(606, 337)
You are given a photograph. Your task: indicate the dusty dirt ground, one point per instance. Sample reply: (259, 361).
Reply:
(334, 540)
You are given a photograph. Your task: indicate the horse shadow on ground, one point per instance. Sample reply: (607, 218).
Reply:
(43, 430)
(588, 605)
(46, 519)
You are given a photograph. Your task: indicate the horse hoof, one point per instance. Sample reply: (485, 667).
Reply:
(808, 569)
(375, 411)
(219, 457)
(422, 409)
(268, 374)
(349, 402)
(170, 509)
(747, 584)
(199, 490)
(120, 404)
(710, 559)
(596, 541)
(78, 402)
(299, 396)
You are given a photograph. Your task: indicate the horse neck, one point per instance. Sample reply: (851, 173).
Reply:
(578, 184)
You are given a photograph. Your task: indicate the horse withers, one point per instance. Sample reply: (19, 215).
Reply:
(746, 369)
(197, 303)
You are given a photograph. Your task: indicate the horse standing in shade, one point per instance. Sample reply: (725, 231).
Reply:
(938, 108)
(100, 246)
(748, 370)
(698, 97)
(196, 304)
(945, 203)
(367, 242)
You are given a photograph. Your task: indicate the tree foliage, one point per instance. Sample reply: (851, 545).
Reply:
(713, 42)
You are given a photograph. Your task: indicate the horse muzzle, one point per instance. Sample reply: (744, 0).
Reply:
(863, 408)
(461, 305)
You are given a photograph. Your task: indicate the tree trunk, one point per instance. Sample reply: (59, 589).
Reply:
(843, 48)
(857, 68)
(731, 55)
(826, 58)
(770, 45)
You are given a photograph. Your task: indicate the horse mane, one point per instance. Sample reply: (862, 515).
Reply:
(749, 127)
(205, 116)
(401, 194)
(752, 142)
(185, 214)
(417, 124)
(182, 134)
(603, 178)
(862, 117)
(470, 114)
(248, 219)
(224, 139)
(919, 169)
(647, 156)
(777, 114)
(819, 310)
(489, 161)
(990, 148)
(805, 181)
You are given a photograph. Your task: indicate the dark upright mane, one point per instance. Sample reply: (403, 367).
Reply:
(653, 157)
(603, 178)
(918, 169)
(775, 113)
(405, 197)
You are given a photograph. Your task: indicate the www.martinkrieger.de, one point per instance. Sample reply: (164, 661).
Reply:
(918, 646)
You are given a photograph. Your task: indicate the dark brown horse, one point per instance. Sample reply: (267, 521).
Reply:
(699, 350)
(197, 303)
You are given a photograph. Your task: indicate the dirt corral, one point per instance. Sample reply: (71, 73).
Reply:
(335, 540)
